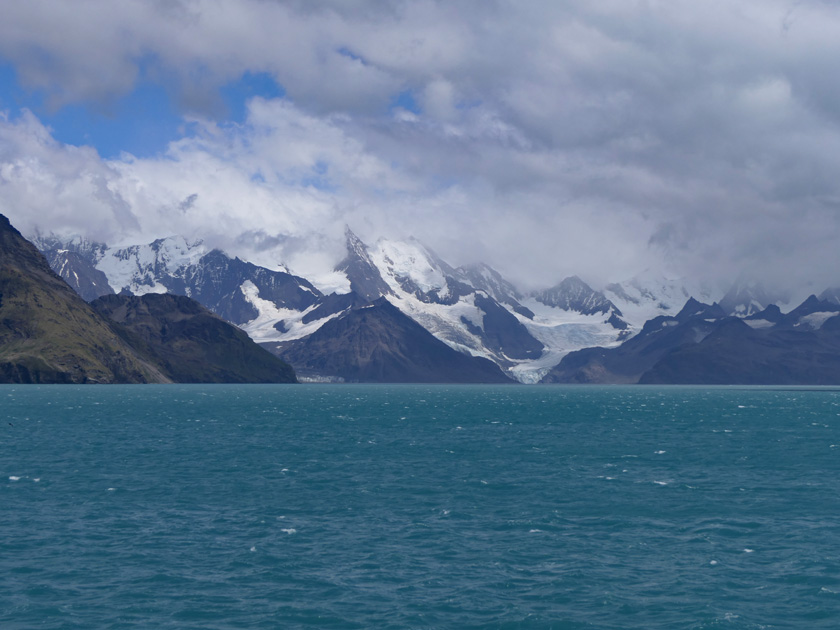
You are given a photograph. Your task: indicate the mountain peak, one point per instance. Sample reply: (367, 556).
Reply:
(573, 294)
(360, 269)
(5, 224)
(483, 277)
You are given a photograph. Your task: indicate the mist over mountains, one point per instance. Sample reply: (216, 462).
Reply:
(414, 295)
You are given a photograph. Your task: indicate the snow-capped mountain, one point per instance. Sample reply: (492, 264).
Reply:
(157, 267)
(472, 309)
(573, 294)
(363, 275)
(652, 294)
(429, 290)
(269, 305)
(487, 279)
(746, 298)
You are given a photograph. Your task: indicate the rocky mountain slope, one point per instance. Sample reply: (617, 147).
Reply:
(472, 309)
(188, 343)
(378, 343)
(48, 334)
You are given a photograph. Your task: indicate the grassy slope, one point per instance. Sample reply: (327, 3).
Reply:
(48, 333)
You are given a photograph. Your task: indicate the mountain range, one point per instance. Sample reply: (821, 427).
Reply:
(49, 334)
(406, 315)
(703, 345)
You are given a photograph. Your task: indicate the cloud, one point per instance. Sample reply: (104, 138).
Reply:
(44, 183)
(552, 138)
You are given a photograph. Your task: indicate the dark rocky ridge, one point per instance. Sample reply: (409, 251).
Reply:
(702, 345)
(78, 271)
(190, 344)
(504, 333)
(627, 362)
(217, 279)
(365, 279)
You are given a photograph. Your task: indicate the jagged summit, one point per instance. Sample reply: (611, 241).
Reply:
(573, 294)
(365, 279)
(483, 277)
(694, 308)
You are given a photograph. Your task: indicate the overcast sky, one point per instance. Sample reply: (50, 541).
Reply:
(547, 138)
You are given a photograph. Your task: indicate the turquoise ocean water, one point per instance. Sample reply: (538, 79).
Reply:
(419, 507)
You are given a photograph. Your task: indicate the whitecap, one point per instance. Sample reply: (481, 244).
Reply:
(111, 489)
(713, 562)
(534, 531)
(749, 550)
(253, 548)
(13, 478)
(661, 483)
(290, 531)
(659, 452)
(37, 479)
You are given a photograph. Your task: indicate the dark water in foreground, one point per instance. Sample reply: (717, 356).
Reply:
(419, 507)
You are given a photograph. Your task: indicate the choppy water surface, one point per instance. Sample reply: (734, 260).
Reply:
(419, 507)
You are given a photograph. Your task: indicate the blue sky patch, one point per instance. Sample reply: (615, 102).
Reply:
(405, 100)
(236, 94)
(142, 123)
